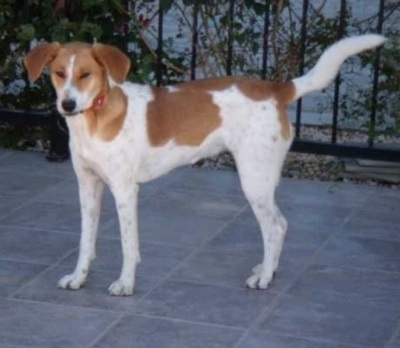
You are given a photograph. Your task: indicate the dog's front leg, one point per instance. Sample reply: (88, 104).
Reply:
(90, 193)
(126, 201)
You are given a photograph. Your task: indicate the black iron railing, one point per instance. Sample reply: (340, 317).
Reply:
(369, 150)
(58, 133)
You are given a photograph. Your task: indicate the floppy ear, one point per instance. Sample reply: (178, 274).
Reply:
(39, 57)
(113, 60)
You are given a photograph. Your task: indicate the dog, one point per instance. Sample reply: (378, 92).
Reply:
(123, 134)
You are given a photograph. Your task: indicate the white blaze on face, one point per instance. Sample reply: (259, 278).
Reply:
(64, 93)
(69, 90)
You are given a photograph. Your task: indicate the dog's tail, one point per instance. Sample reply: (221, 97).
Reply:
(329, 63)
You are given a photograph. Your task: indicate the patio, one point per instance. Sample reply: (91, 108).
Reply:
(338, 284)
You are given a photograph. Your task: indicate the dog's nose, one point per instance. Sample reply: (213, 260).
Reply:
(68, 105)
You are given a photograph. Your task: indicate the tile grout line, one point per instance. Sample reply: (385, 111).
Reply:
(167, 319)
(321, 340)
(105, 331)
(317, 339)
(43, 230)
(271, 307)
(39, 174)
(15, 260)
(179, 174)
(195, 250)
(45, 270)
(50, 304)
(19, 207)
(55, 231)
(185, 321)
(214, 285)
(394, 336)
(210, 192)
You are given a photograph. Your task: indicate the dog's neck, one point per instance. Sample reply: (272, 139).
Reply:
(106, 116)
(98, 101)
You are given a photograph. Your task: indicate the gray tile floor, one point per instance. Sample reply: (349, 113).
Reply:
(338, 284)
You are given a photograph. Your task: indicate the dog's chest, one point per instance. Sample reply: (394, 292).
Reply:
(91, 152)
(93, 158)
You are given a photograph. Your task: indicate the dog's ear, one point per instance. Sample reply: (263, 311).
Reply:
(39, 57)
(113, 60)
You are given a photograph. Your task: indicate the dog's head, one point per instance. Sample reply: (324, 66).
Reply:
(81, 73)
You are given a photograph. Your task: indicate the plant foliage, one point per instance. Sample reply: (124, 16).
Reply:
(133, 26)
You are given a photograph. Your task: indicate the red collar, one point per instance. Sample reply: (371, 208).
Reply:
(98, 101)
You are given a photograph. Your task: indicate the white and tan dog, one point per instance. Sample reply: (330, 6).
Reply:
(123, 134)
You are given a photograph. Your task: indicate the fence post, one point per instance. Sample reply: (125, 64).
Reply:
(59, 150)
(266, 39)
(340, 32)
(375, 82)
(194, 41)
(301, 69)
(160, 44)
(229, 56)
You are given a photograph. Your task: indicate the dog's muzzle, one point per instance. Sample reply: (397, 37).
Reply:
(68, 105)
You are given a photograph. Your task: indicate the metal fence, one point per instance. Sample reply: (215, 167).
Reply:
(58, 134)
(369, 150)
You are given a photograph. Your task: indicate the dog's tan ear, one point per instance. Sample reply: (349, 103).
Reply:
(39, 57)
(113, 60)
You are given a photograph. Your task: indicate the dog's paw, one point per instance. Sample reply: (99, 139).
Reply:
(120, 288)
(260, 278)
(71, 281)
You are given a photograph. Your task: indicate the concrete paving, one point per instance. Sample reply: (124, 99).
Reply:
(338, 284)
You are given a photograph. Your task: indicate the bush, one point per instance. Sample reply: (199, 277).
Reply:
(132, 26)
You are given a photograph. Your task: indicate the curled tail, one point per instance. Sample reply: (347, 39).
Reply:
(329, 63)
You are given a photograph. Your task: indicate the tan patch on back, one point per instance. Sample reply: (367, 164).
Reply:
(252, 88)
(282, 92)
(187, 116)
(107, 121)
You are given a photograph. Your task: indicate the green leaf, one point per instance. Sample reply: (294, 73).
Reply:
(27, 32)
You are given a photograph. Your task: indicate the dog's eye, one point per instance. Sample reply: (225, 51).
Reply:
(60, 74)
(84, 75)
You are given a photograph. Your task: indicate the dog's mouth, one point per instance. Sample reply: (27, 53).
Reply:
(97, 102)
(71, 114)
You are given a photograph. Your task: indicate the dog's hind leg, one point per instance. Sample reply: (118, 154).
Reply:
(259, 171)
(283, 226)
(90, 193)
